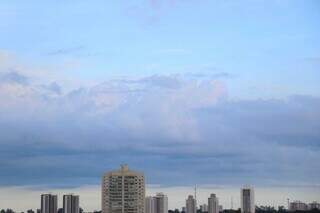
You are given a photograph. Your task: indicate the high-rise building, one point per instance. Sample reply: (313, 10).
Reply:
(247, 200)
(123, 191)
(150, 205)
(70, 203)
(49, 203)
(191, 205)
(161, 203)
(213, 204)
(156, 204)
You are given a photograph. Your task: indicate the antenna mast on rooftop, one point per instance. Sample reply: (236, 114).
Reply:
(195, 192)
(231, 202)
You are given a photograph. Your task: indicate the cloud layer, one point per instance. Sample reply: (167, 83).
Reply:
(179, 130)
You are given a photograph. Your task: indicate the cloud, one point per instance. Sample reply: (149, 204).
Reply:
(13, 77)
(178, 130)
(53, 87)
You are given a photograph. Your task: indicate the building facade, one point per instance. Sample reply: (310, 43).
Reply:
(204, 207)
(156, 204)
(49, 203)
(298, 206)
(123, 191)
(150, 205)
(70, 203)
(161, 203)
(213, 204)
(247, 200)
(191, 205)
(314, 205)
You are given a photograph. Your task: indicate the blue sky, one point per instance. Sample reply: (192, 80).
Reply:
(207, 92)
(260, 43)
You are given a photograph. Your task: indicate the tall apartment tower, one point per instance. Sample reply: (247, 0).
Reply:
(123, 191)
(156, 204)
(191, 205)
(247, 200)
(49, 203)
(213, 204)
(70, 203)
(150, 205)
(161, 203)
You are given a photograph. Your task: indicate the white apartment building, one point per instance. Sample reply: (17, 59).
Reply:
(213, 204)
(156, 204)
(123, 191)
(191, 205)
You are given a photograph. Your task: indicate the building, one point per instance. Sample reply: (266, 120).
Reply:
(156, 204)
(314, 205)
(150, 205)
(49, 203)
(213, 204)
(191, 205)
(204, 207)
(161, 203)
(247, 200)
(123, 191)
(70, 203)
(183, 209)
(298, 206)
(220, 208)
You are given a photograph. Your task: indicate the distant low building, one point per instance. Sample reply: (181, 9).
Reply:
(298, 206)
(204, 207)
(183, 209)
(314, 205)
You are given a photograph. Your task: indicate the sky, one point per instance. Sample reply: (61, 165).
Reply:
(215, 93)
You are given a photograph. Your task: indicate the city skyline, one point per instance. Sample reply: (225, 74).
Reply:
(218, 94)
(231, 198)
(159, 202)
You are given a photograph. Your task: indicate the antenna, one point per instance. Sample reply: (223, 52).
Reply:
(195, 192)
(231, 202)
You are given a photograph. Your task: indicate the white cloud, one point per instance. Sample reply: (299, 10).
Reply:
(178, 130)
